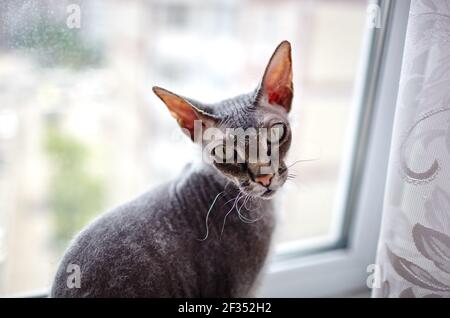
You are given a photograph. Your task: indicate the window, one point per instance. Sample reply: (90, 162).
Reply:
(343, 268)
(81, 132)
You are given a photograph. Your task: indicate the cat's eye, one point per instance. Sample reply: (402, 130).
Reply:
(276, 132)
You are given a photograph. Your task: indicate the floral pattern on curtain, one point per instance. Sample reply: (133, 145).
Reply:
(414, 246)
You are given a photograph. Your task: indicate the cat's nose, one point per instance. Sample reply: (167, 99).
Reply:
(264, 179)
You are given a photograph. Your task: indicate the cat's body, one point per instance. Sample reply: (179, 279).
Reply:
(207, 233)
(153, 247)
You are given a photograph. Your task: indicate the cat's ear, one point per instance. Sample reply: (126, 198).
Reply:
(276, 86)
(184, 111)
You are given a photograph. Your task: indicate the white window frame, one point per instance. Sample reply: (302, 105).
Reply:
(341, 270)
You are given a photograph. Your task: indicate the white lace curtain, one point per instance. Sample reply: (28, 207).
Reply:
(414, 247)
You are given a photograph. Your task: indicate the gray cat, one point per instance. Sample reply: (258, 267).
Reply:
(206, 233)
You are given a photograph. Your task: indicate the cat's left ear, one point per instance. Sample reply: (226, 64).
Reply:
(184, 111)
(276, 86)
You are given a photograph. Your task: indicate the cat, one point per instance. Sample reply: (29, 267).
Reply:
(206, 233)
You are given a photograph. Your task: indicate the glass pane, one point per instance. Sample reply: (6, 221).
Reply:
(81, 131)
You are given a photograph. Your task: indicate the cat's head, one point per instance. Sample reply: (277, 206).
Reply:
(229, 130)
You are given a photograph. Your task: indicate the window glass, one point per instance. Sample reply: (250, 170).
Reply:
(80, 129)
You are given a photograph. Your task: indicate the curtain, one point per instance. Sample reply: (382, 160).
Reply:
(413, 254)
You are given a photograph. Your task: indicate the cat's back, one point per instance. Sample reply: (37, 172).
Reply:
(124, 247)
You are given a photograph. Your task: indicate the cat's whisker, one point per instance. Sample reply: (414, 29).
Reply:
(244, 218)
(255, 208)
(207, 215)
(231, 210)
(225, 221)
(245, 203)
(249, 197)
(247, 220)
(238, 209)
(246, 198)
(301, 160)
(240, 192)
(226, 185)
(229, 201)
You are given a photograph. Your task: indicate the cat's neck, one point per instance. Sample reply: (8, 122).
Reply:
(213, 199)
(212, 181)
(215, 181)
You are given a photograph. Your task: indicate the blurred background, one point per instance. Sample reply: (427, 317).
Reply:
(81, 132)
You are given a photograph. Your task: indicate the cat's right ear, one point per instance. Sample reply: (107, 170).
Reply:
(276, 86)
(183, 111)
